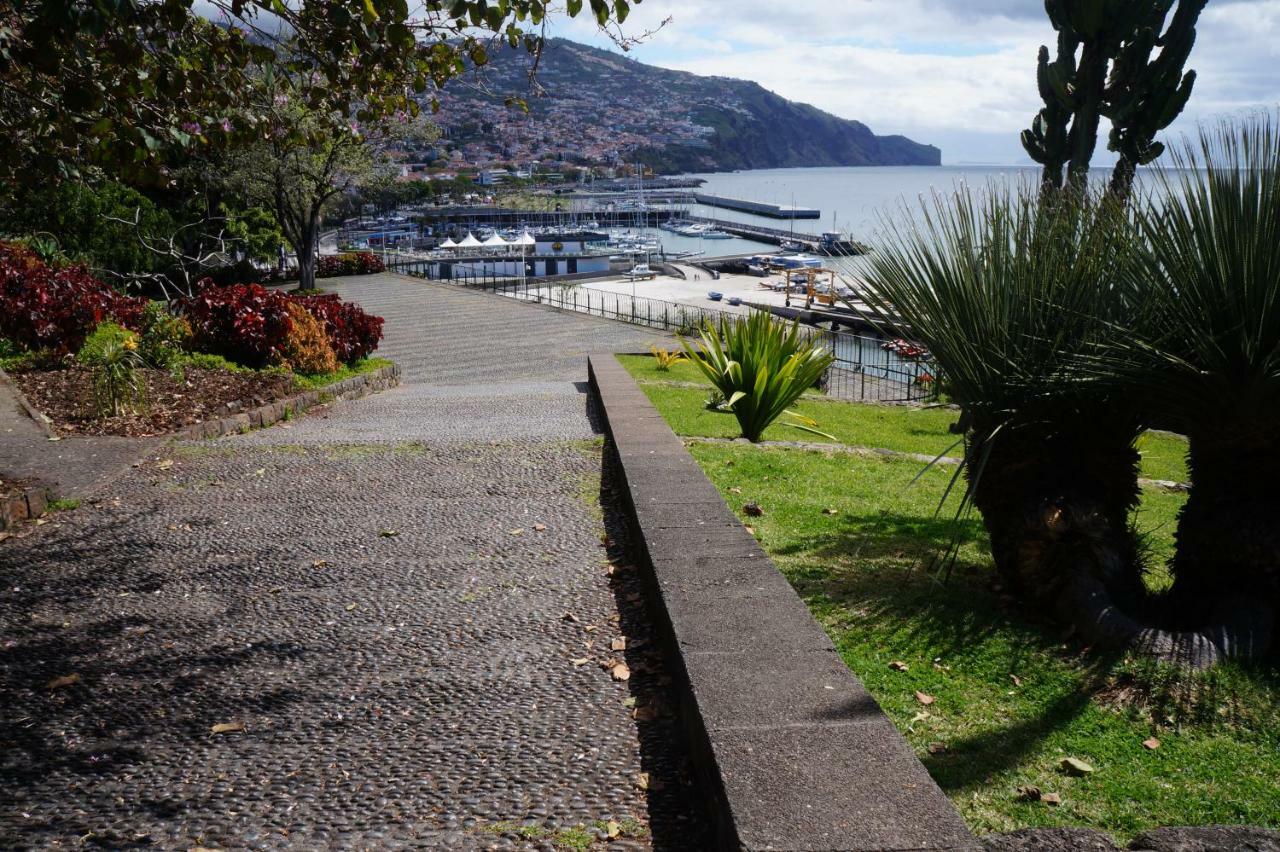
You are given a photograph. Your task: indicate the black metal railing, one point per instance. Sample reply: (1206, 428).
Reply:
(864, 368)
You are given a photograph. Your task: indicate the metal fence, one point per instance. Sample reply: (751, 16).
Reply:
(864, 369)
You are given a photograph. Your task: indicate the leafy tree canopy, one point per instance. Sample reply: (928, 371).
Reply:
(129, 85)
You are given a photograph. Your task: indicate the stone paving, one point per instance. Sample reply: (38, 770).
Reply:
(395, 611)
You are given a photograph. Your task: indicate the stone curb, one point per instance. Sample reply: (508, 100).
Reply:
(25, 404)
(793, 751)
(269, 414)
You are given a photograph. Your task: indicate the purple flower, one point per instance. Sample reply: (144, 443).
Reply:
(191, 127)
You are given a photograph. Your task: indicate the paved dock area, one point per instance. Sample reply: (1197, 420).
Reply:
(378, 626)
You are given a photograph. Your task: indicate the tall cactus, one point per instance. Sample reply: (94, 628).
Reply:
(1146, 95)
(1103, 69)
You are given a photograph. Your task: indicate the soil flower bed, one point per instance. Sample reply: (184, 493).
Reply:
(65, 396)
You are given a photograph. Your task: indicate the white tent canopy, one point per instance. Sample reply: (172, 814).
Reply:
(496, 241)
(448, 243)
(525, 239)
(469, 241)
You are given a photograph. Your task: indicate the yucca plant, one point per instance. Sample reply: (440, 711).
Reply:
(1008, 293)
(1209, 365)
(665, 358)
(761, 366)
(118, 384)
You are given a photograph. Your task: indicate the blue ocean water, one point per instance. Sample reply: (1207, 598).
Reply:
(851, 200)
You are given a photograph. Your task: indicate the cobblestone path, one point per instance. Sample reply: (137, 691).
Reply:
(378, 626)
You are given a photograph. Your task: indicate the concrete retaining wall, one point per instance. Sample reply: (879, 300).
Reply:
(793, 750)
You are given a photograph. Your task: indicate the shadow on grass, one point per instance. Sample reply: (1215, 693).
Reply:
(875, 568)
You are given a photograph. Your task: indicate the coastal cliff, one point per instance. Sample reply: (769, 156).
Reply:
(595, 106)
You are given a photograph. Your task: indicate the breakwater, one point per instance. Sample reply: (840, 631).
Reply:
(757, 208)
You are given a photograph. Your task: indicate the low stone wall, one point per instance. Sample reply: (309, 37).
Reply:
(266, 415)
(793, 752)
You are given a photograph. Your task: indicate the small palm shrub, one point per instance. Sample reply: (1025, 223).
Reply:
(119, 385)
(666, 358)
(761, 366)
(100, 341)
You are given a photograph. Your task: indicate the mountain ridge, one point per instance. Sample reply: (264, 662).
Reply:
(593, 105)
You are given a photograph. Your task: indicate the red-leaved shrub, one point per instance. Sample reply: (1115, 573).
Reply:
(245, 323)
(348, 263)
(45, 307)
(353, 334)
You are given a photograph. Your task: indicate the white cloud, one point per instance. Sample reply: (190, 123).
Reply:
(956, 73)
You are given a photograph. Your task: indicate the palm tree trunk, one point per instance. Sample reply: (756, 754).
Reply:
(1057, 509)
(1053, 502)
(1228, 533)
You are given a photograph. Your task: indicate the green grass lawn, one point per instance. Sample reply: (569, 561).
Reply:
(1013, 696)
(317, 381)
(908, 429)
(866, 574)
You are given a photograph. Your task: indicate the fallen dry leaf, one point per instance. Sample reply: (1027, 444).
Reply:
(1029, 794)
(1075, 766)
(580, 661)
(620, 672)
(618, 644)
(1151, 744)
(568, 616)
(1017, 681)
(65, 680)
(320, 563)
(642, 780)
(750, 529)
(646, 713)
(539, 527)
(350, 607)
(165, 464)
(389, 533)
(920, 717)
(924, 698)
(937, 748)
(228, 728)
(1051, 799)
(612, 829)
(736, 490)
(516, 531)
(898, 666)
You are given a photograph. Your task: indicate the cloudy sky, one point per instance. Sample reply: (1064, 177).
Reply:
(959, 74)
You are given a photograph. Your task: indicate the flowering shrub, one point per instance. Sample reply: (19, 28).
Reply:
(47, 307)
(245, 323)
(306, 349)
(348, 263)
(352, 333)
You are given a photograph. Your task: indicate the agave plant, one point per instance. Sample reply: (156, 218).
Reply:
(118, 384)
(761, 367)
(1013, 296)
(665, 358)
(1210, 367)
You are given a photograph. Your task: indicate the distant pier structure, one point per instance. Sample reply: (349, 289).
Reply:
(758, 208)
